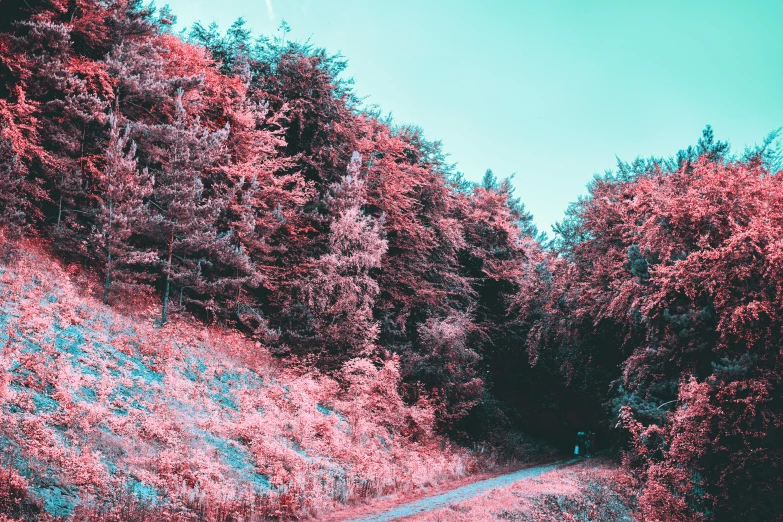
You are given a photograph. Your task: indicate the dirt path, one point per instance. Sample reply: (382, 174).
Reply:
(462, 493)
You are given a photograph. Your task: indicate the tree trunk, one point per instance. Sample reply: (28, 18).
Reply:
(107, 284)
(60, 204)
(165, 317)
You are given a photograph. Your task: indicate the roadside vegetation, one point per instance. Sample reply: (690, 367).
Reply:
(228, 288)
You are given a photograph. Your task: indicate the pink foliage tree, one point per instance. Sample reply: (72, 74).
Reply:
(449, 367)
(182, 220)
(121, 209)
(671, 270)
(340, 290)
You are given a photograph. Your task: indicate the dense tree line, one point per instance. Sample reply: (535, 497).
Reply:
(662, 299)
(240, 179)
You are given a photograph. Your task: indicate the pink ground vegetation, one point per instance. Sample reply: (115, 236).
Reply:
(106, 415)
(594, 491)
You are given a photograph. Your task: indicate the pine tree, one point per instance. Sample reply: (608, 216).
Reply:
(340, 291)
(183, 223)
(12, 201)
(70, 117)
(121, 210)
(21, 195)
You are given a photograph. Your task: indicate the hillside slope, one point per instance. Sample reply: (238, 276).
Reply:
(102, 412)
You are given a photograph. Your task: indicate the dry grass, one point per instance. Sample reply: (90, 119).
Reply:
(105, 415)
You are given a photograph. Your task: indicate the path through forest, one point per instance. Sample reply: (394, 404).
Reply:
(462, 493)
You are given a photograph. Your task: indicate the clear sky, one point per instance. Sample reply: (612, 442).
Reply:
(551, 91)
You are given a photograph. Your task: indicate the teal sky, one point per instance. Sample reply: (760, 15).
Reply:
(551, 91)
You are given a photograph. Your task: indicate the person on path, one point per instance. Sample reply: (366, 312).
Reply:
(590, 443)
(581, 439)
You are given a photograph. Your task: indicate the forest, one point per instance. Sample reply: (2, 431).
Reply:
(237, 183)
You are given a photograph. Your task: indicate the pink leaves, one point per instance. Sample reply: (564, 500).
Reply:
(341, 289)
(698, 293)
(204, 424)
(450, 367)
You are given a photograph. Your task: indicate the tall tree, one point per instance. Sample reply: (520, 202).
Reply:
(121, 210)
(338, 294)
(71, 99)
(18, 150)
(500, 251)
(265, 212)
(448, 366)
(183, 223)
(670, 287)
(12, 201)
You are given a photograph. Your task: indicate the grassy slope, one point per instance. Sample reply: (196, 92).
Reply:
(100, 411)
